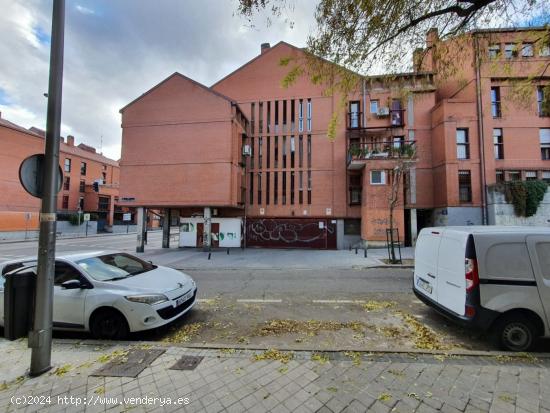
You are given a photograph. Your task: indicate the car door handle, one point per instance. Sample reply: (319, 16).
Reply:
(431, 275)
(453, 284)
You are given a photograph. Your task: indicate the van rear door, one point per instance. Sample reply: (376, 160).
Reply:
(539, 252)
(451, 281)
(425, 262)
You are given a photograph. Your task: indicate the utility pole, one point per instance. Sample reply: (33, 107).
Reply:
(40, 337)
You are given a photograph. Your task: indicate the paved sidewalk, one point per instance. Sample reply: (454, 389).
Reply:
(244, 380)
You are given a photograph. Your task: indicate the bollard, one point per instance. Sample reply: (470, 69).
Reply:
(365, 252)
(355, 251)
(209, 255)
(228, 251)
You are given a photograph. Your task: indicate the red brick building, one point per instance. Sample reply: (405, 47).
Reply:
(252, 159)
(81, 167)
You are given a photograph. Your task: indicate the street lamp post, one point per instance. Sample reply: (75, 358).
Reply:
(40, 337)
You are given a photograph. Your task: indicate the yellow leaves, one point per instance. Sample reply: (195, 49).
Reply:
(355, 357)
(100, 390)
(424, 338)
(184, 333)
(374, 305)
(104, 358)
(272, 354)
(4, 386)
(61, 371)
(505, 397)
(291, 77)
(283, 369)
(384, 397)
(310, 327)
(319, 358)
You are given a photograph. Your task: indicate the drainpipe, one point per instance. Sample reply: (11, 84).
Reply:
(480, 133)
(364, 103)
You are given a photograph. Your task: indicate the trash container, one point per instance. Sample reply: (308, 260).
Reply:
(19, 302)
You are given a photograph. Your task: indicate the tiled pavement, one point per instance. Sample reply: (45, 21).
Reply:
(234, 381)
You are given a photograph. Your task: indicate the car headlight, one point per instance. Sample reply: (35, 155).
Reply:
(147, 298)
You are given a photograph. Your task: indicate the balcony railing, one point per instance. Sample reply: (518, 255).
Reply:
(354, 120)
(362, 151)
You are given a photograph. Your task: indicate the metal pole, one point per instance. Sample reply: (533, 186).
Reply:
(40, 338)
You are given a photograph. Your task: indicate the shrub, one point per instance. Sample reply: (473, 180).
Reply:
(75, 219)
(525, 196)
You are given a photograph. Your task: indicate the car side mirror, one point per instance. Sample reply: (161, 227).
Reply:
(73, 285)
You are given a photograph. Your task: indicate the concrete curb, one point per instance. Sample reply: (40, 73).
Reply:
(64, 238)
(220, 346)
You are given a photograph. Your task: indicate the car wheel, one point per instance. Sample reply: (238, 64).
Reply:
(515, 333)
(109, 324)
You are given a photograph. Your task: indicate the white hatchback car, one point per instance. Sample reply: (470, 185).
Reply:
(110, 293)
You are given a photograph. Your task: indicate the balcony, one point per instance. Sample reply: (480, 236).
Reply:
(354, 120)
(360, 152)
(397, 117)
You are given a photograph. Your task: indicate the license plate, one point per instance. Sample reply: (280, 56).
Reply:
(184, 298)
(424, 285)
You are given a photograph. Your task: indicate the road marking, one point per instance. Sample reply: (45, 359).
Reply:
(258, 300)
(338, 301)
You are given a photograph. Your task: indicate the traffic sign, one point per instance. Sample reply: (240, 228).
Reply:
(31, 175)
(86, 217)
(127, 217)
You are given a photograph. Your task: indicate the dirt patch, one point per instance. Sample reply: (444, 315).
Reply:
(404, 261)
(309, 327)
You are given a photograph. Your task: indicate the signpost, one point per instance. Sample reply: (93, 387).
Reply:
(127, 217)
(86, 219)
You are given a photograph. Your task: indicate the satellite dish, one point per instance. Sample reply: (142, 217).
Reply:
(31, 175)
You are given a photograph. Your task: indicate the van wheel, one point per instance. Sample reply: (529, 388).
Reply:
(515, 333)
(109, 324)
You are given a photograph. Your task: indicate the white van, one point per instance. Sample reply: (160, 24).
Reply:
(492, 277)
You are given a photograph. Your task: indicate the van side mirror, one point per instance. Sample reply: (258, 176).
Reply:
(74, 284)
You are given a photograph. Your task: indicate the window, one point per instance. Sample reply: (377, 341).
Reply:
(252, 153)
(527, 50)
(261, 117)
(267, 188)
(292, 188)
(374, 106)
(546, 176)
(65, 272)
(81, 203)
(309, 187)
(378, 177)
(544, 50)
(252, 117)
(498, 143)
(494, 51)
(543, 106)
(82, 187)
(499, 176)
(67, 183)
(301, 115)
(268, 119)
(284, 151)
(276, 152)
(514, 176)
(544, 135)
(276, 120)
(284, 188)
(464, 186)
(260, 152)
(301, 151)
(309, 151)
(292, 151)
(530, 175)
(355, 188)
(83, 168)
(309, 114)
(67, 165)
(354, 114)
(65, 203)
(104, 177)
(107, 267)
(462, 144)
(510, 50)
(301, 187)
(543, 254)
(275, 187)
(268, 153)
(103, 204)
(259, 188)
(292, 115)
(352, 227)
(284, 116)
(495, 102)
(251, 189)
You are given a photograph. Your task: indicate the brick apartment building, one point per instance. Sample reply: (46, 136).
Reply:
(252, 160)
(81, 167)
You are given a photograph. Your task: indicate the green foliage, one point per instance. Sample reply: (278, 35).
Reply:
(76, 219)
(525, 196)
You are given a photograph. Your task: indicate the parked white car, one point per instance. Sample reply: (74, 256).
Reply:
(493, 278)
(110, 293)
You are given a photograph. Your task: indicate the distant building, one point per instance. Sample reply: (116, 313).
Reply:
(81, 167)
(252, 159)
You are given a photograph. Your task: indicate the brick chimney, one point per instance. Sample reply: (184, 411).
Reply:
(432, 36)
(265, 47)
(70, 140)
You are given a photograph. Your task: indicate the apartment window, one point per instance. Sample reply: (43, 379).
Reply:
(309, 114)
(284, 151)
(67, 183)
(284, 188)
(82, 187)
(544, 50)
(261, 117)
(498, 142)
(268, 118)
(354, 114)
(301, 187)
(495, 102)
(81, 203)
(544, 135)
(374, 106)
(292, 115)
(292, 188)
(514, 175)
(83, 168)
(276, 152)
(527, 50)
(268, 153)
(546, 176)
(65, 202)
(543, 106)
(104, 177)
(276, 121)
(309, 187)
(103, 204)
(464, 186)
(309, 151)
(252, 153)
(275, 187)
(260, 152)
(301, 151)
(510, 50)
(67, 165)
(378, 177)
(292, 151)
(259, 188)
(267, 188)
(499, 176)
(284, 116)
(530, 175)
(462, 144)
(252, 117)
(251, 189)
(301, 115)
(494, 51)
(355, 189)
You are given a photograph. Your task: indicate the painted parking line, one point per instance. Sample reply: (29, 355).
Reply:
(278, 301)
(258, 300)
(338, 301)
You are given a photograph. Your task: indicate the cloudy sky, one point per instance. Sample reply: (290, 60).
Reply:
(117, 49)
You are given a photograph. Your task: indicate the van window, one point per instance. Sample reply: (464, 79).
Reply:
(510, 260)
(543, 253)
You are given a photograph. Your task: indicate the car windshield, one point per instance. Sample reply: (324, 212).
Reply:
(114, 266)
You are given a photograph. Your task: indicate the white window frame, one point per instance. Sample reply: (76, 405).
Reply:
(374, 102)
(309, 110)
(301, 115)
(494, 50)
(382, 177)
(527, 49)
